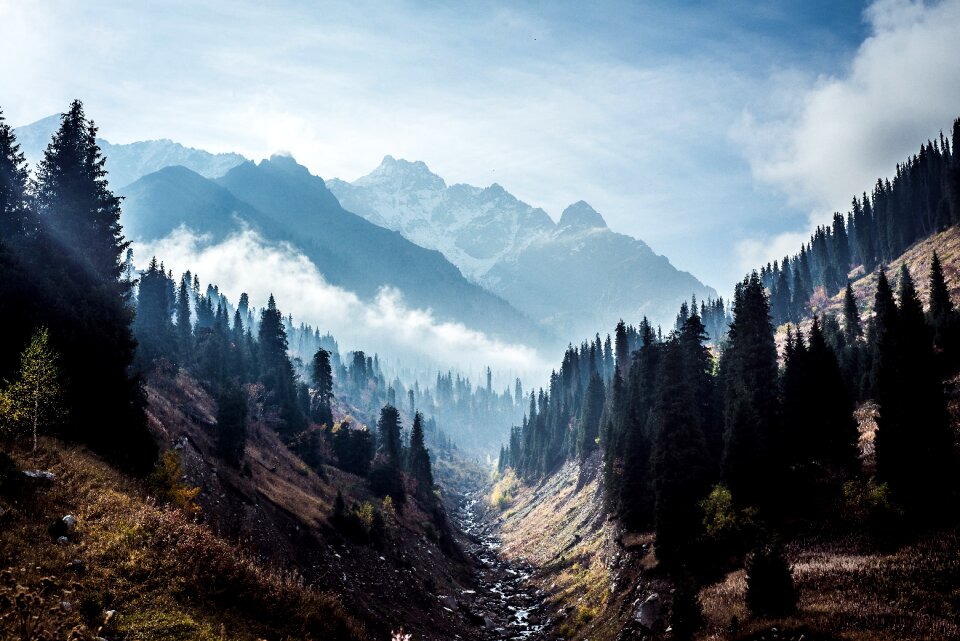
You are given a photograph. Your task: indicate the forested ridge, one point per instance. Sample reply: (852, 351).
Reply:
(88, 336)
(724, 445)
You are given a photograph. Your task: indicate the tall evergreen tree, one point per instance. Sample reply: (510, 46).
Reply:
(942, 318)
(152, 324)
(16, 217)
(913, 441)
(276, 371)
(590, 417)
(80, 294)
(323, 387)
(388, 427)
(184, 330)
(749, 372)
(75, 201)
(680, 460)
(418, 461)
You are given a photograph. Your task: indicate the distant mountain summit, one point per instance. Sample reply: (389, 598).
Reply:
(576, 276)
(129, 162)
(284, 202)
(580, 214)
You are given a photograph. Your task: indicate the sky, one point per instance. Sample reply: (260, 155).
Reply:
(718, 132)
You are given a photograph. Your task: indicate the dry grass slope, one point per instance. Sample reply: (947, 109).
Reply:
(165, 576)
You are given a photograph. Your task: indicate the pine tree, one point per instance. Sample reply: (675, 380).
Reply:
(75, 201)
(590, 419)
(388, 427)
(623, 349)
(852, 327)
(323, 387)
(152, 324)
(418, 461)
(942, 317)
(276, 371)
(16, 217)
(80, 295)
(184, 330)
(749, 372)
(770, 588)
(913, 439)
(680, 461)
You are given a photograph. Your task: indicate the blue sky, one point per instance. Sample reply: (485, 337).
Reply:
(718, 132)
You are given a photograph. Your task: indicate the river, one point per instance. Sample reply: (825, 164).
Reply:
(512, 608)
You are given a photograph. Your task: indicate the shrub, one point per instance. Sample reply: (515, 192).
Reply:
(166, 484)
(385, 480)
(770, 589)
(501, 496)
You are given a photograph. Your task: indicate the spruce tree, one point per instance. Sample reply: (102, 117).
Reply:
(184, 330)
(942, 317)
(82, 297)
(913, 440)
(388, 427)
(680, 460)
(152, 324)
(770, 588)
(75, 201)
(590, 419)
(852, 327)
(16, 217)
(749, 373)
(323, 388)
(418, 461)
(276, 371)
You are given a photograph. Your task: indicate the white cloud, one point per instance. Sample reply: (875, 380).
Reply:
(245, 262)
(834, 136)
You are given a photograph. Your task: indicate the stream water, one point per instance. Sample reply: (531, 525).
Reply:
(512, 608)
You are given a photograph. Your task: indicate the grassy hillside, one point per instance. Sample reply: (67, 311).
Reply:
(164, 576)
(917, 259)
(260, 560)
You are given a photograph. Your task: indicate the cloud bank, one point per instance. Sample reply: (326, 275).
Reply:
(245, 262)
(830, 137)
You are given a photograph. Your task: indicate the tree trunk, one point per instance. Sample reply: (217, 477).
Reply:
(36, 414)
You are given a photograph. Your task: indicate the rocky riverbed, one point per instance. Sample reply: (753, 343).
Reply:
(504, 603)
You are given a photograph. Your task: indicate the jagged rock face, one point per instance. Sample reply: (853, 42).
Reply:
(576, 276)
(474, 228)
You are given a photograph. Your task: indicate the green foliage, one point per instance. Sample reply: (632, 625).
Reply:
(167, 485)
(34, 401)
(726, 527)
(418, 462)
(749, 369)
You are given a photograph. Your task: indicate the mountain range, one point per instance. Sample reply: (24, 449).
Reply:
(475, 255)
(574, 276)
(129, 162)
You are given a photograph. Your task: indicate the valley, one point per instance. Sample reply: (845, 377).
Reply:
(240, 401)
